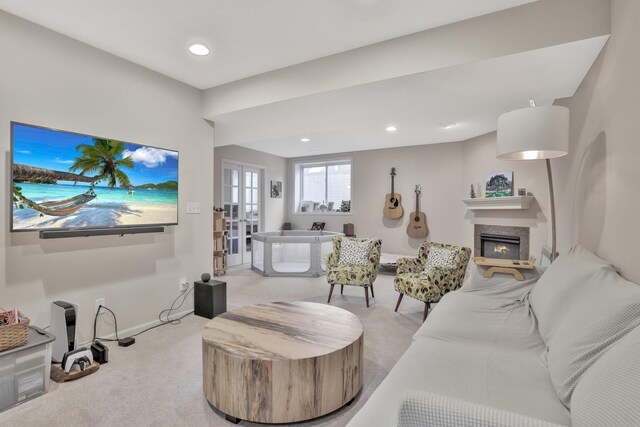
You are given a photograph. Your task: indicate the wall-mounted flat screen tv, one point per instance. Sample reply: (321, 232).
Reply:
(63, 180)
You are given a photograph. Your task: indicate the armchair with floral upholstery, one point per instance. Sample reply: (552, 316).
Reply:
(362, 274)
(438, 279)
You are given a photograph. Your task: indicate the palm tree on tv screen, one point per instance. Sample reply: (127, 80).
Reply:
(103, 159)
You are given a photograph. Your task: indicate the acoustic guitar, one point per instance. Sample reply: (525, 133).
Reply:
(418, 220)
(393, 202)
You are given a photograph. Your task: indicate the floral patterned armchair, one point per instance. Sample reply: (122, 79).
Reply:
(429, 286)
(353, 275)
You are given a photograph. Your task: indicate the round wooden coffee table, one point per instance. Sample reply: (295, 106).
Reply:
(282, 362)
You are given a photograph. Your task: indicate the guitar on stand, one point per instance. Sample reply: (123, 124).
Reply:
(418, 220)
(393, 202)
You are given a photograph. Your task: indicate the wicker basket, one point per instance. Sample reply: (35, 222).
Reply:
(12, 336)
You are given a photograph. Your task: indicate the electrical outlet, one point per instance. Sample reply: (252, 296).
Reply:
(184, 284)
(100, 302)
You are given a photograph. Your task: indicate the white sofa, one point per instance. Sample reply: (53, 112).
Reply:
(559, 350)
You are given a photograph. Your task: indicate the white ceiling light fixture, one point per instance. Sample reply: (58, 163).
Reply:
(305, 140)
(199, 49)
(391, 129)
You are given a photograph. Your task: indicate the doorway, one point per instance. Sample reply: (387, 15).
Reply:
(242, 201)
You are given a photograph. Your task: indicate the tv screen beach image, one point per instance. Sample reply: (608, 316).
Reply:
(65, 180)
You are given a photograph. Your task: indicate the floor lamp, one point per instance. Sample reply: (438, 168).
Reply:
(536, 133)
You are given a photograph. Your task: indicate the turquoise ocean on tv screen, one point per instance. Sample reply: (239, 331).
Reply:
(105, 195)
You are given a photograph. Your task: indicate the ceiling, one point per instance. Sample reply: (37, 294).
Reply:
(472, 95)
(252, 37)
(246, 37)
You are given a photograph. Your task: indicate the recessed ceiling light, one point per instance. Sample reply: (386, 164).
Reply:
(305, 140)
(391, 129)
(448, 125)
(199, 49)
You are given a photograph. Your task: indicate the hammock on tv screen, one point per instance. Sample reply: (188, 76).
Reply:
(61, 207)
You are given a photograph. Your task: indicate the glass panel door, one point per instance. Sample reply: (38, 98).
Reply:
(251, 208)
(241, 195)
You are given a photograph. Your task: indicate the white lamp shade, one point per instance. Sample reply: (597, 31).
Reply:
(534, 133)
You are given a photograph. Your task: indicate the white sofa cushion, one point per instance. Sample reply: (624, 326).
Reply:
(582, 307)
(420, 409)
(609, 392)
(479, 345)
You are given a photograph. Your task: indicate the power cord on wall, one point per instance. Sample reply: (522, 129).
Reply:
(125, 342)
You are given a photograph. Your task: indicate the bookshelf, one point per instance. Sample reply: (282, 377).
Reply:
(219, 244)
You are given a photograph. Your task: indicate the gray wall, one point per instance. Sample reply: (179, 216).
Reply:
(51, 80)
(598, 182)
(445, 172)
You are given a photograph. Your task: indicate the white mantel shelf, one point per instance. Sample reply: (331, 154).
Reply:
(499, 203)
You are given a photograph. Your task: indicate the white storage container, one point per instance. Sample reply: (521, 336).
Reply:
(25, 371)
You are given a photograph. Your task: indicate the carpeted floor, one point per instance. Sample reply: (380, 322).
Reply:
(158, 381)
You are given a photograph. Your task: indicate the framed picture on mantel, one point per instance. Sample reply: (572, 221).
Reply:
(499, 185)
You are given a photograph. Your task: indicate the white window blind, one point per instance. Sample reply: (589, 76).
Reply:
(326, 183)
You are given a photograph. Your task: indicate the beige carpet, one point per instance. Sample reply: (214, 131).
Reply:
(157, 381)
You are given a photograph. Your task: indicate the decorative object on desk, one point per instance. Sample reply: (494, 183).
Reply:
(479, 193)
(205, 277)
(393, 201)
(330, 205)
(14, 329)
(276, 189)
(306, 206)
(318, 226)
(348, 230)
(522, 192)
(417, 226)
(536, 133)
(472, 193)
(499, 185)
(345, 206)
(323, 208)
(286, 226)
(506, 266)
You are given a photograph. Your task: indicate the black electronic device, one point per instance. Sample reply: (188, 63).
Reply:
(126, 342)
(100, 352)
(209, 298)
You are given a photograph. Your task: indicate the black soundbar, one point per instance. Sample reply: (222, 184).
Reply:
(59, 234)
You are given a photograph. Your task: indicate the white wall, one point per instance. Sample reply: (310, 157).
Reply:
(50, 80)
(445, 172)
(275, 168)
(598, 191)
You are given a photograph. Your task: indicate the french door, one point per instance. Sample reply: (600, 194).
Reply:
(242, 202)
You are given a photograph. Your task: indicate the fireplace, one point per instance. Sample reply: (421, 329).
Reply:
(498, 246)
(499, 241)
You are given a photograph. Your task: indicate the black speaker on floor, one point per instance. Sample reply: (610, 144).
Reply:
(209, 298)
